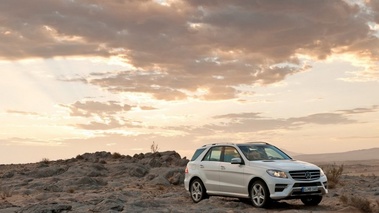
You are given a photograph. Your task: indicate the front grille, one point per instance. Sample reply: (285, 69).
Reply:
(307, 184)
(305, 175)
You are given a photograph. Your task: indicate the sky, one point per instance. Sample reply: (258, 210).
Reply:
(82, 76)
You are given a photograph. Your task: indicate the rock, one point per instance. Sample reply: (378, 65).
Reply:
(175, 176)
(155, 162)
(48, 171)
(109, 204)
(90, 181)
(160, 180)
(136, 170)
(46, 208)
(8, 174)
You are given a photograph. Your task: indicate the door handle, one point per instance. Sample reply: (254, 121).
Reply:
(201, 166)
(222, 167)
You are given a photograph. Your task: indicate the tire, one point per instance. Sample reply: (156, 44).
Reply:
(311, 200)
(259, 194)
(197, 190)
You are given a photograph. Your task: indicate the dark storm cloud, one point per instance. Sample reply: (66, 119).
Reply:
(190, 45)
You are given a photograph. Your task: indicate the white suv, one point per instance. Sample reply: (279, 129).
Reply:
(259, 172)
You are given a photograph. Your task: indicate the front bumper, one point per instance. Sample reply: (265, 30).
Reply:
(290, 189)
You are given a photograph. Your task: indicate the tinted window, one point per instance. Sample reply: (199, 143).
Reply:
(262, 152)
(214, 154)
(197, 153)
(230, 153)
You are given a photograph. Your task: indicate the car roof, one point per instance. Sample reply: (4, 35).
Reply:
(228, 143)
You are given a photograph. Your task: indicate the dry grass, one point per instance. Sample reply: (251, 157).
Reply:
(333, 173)
(5, 192)
(116, 155)
(360, 203)
(154, 147)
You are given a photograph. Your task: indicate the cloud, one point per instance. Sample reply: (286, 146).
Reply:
(192, 48)
(92, 108)
(17, 112)
(185, 47)
(254, 122)
(108, 124)
(360, 110)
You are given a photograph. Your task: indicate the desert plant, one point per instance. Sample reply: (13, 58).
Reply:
(154, 147)
(361, 203)
(344, 199)
(45, 161)
(71, 190)
(333, 173)
(5, 192)
(116, 155)
(358, 202)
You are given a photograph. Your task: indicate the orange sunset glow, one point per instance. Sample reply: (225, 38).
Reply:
(85, 75)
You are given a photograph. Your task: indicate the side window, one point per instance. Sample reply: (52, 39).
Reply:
(214, 154)
(230, 153)
(197, 153)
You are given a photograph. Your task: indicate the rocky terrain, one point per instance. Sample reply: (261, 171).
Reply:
(152, 182)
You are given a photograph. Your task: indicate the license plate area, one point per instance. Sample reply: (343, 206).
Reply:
(309, 189)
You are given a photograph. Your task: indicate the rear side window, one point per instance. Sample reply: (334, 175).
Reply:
(197, 153)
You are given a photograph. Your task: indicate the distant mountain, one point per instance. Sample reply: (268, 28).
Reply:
(290, 153)
(364, 154)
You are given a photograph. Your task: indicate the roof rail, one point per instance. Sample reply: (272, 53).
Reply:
(261, 142)
(221, 143)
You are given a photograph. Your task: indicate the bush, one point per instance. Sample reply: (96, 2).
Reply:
(154, 147)
(116, 155)
(333, 173)
(44, 162)
(358, 202)
(5, 192)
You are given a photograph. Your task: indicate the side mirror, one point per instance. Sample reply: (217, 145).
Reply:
(236, 161)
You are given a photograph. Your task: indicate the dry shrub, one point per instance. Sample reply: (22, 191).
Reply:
(116, 155)
(5, 192)
(154, 147)
(44, 162)
(344, 199)
(71, 190)
(333, 173)
(360, 203)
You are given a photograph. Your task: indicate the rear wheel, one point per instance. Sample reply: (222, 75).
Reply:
(311, 200)
(197, 190)
(260, 195)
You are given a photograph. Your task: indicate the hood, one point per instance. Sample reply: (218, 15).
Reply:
(284, 165)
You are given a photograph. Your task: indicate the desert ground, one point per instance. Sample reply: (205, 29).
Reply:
(153, 182)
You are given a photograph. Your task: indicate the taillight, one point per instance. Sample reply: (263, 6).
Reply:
(186, 170)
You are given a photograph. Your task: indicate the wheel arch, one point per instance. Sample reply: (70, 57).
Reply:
(197, 177)
(251, 183)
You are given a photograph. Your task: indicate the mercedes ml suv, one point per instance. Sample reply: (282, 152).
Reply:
(258, 172)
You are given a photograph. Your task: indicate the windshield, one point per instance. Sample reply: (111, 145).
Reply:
(262, 152)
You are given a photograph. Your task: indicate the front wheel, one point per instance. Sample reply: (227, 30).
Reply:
(197, 190)
(260, 195)
(311, 200)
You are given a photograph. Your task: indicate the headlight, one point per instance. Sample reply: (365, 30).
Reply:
(322, 174)
(277, 173)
